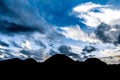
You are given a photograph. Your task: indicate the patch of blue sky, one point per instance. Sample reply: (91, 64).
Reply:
(56, 12)
(96, 10)
(116, 3)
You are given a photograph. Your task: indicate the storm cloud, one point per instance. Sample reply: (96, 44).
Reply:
(108, 33)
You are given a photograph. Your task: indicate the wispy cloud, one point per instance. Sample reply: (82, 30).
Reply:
(76, 33)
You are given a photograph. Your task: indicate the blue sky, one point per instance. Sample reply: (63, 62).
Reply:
(58, 11)
(45, 25)
(55, 12)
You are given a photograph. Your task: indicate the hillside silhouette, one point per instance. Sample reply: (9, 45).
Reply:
(62, 61)
(56, 59)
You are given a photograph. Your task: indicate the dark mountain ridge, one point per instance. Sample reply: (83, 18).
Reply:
(60, 64)
(62, 60)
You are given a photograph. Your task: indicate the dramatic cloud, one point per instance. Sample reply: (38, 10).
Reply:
(95, 14)
(108, 33)
(20, 16)
(24, 32)
(104, 18)
(39, 29)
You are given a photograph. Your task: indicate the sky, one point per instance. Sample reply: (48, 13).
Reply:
(55, 12)
(58, 11)
(32, 28)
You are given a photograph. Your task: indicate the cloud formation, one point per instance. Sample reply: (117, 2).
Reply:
(76, 33)
(95, 14)
(108, 33)
(28, 29)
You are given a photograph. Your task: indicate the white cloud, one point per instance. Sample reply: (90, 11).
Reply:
(86, 7)
(26, 45)
(75, 33)
(94, 14)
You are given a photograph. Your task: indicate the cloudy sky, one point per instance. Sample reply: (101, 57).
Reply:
(39, 28)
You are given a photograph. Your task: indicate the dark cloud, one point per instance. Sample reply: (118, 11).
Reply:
(100, 32)
(19, 12)
(4, 44)
(107, 33)
(22, 16)
(8, 27)
(89, 49)
(67, 51)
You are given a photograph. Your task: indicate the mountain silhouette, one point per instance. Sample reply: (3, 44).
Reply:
(62, 61)
(59, 59)
(55, 59)
(18, 61)
(94, 61)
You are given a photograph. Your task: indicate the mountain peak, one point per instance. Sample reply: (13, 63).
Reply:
(59, 59)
